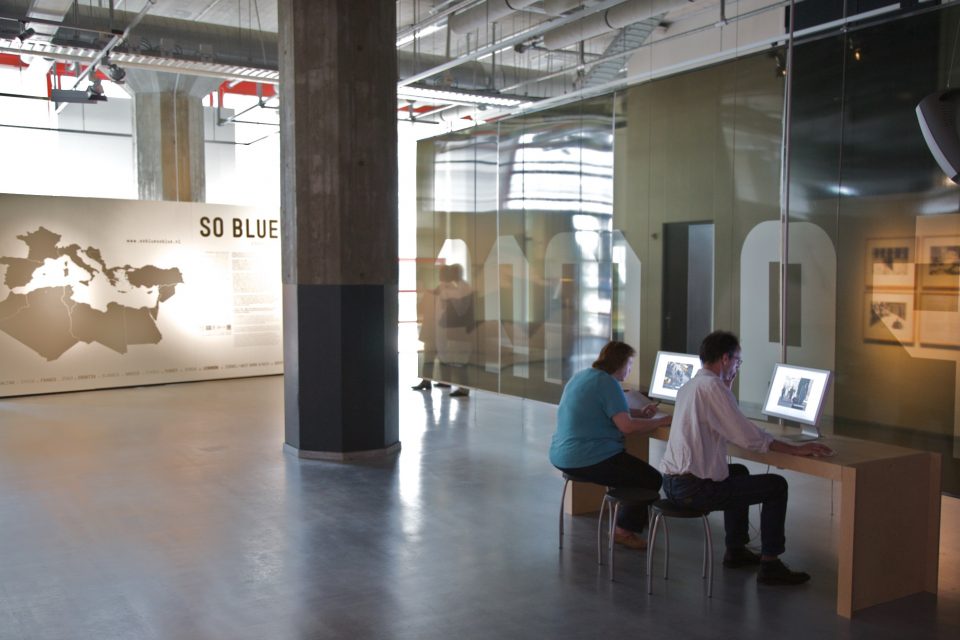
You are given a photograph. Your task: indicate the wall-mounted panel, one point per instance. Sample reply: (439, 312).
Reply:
(112, 293)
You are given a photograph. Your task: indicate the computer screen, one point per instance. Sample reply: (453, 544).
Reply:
(796, 393)
(670, 372)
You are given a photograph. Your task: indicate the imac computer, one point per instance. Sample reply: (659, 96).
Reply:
(670, 372)
(797, 393)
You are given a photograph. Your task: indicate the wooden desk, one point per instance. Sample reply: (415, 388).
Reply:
(889, 513)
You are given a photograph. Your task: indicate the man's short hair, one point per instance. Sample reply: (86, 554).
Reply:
(718, 344)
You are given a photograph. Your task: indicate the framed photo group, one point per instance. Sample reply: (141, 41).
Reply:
(913, 291)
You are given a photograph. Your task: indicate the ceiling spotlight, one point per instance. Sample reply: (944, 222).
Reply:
(95, 92)
(115, 73)
(26, 32)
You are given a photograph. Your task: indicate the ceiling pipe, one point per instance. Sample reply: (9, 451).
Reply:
(480, 15)
(433, 19)
(522, 36)
(610, 20)
(204, 49)
(114, 41)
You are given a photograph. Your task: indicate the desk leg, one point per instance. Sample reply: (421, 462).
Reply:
(889, 531)
(583, 497)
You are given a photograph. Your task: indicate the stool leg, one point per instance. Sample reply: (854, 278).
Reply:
(651, 543)
(646, 566)
(613, 524)
(666, 547)
(603, 507)
(708, 556)
(563, 497)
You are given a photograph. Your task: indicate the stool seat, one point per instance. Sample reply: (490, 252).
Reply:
(673, 509)
(633, 495)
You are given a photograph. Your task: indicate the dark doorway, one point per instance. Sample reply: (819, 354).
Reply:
(687, 285)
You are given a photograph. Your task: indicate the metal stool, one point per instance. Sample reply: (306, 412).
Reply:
(567, 479)
(611, 504)
(662, 509)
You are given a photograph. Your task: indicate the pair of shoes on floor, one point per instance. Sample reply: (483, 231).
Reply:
(459, 392)
(424, 385)
(630, 541)
(774, 572)
(737, 557)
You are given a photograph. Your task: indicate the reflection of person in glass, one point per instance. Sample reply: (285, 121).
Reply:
(455, 325)
(427, 331)
(696, 472)
(592, 420)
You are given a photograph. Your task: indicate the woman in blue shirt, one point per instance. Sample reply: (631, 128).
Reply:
(592, 420)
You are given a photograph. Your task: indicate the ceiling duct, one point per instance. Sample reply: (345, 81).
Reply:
(482, 14)
(612, 19)
(183, 42)
(559, 7)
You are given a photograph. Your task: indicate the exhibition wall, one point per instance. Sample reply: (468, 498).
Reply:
(101, 293)
(98, 289)
(652, 213)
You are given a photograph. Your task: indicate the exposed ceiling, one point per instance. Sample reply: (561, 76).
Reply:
(491, 53)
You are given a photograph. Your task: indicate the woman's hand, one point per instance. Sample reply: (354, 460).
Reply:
(646, 412)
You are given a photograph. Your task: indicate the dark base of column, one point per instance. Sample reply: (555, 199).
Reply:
(340, 369)
(334, 456)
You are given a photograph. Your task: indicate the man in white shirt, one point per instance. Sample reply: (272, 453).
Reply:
(696, 473)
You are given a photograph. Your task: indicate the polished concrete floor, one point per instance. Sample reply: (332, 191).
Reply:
(171, 512)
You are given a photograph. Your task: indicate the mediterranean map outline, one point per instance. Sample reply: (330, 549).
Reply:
(63, 295)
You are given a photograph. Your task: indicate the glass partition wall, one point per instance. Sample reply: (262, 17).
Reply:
(653, 216)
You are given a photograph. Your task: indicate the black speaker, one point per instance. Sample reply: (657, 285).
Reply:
(937, 114)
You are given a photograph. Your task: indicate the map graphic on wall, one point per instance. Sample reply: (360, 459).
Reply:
(62, 295)
(98, 293)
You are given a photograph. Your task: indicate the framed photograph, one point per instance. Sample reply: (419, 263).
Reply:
(888, 317)
(938, 317)
(670, 372)
(890, 263)
(940, 262)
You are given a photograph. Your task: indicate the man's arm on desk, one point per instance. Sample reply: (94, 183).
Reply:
(809, 449)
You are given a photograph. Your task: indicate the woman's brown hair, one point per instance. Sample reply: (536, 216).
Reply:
(613, 356)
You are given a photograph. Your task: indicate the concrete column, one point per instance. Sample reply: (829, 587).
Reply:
(338, 142)
(168, 134)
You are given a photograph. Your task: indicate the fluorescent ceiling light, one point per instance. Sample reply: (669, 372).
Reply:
(462, 97)
(426, 31)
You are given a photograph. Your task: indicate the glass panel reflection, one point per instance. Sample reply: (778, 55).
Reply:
(872, 212)
(653, 215)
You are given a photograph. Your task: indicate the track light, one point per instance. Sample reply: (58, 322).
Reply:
(95, 92)
(115, 73)
(26, 32)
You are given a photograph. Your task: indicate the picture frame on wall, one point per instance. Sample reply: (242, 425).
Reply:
(889, 317)
(940, 262)
(938, 317)
(890, 263)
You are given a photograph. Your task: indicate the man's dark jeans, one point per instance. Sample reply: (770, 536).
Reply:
(734, 496)
(623, 471)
